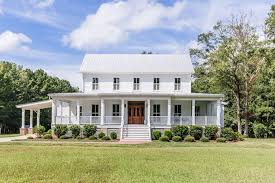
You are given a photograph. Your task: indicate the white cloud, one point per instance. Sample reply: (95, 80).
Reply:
(10, 41)
(115, 21)
(42, 3)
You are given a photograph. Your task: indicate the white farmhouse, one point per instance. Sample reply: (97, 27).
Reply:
(133, 94)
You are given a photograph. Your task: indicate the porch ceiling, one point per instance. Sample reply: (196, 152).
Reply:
(36, 105)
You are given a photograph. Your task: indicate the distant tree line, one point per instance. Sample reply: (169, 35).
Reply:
(19, 85)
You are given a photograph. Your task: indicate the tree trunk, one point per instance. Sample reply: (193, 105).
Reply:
(238, 112)
(246, 110)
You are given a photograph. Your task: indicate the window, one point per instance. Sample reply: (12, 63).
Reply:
(116, 83)
(80, 111)
(156, 83)
(95, 84)
(115, 109)
(177, 83)
(94, 109)
(177, 110)
(197, 111)
(136, 83)
(156, 110)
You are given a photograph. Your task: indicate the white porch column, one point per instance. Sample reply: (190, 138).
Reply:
(148, 112)
(78, 112)
(53, 112)
(122, 112)
(218, 113)
(193, 112)
(102, 105)
(23, 118)
(38, 118)
(31, 118)
(69, 106)
(169, 112)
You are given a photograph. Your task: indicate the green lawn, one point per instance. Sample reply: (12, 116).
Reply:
(8, 135)
(249, 161)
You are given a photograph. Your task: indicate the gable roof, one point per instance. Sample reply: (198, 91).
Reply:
(136, 63)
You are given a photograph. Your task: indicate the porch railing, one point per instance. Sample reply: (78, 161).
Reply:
(181, 120)
(112, 120)
(66, 120)
(158, 120)
(95, 120)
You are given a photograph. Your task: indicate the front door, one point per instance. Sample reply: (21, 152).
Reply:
(135, 112)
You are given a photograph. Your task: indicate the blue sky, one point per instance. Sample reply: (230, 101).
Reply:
(55, 34)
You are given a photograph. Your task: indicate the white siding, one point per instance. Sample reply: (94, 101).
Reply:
(146, 83)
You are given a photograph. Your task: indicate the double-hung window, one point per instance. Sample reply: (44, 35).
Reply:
(95, 84)
(95, 110)
(197, 111)
(116, 110)
(156, 110)
(177, 110)
(116, 84)
(80, 111)
(177, 84)
(136, 83)
(156, 83)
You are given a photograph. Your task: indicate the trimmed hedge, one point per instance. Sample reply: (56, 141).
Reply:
(75, 129)
(63, 137)
(60, 130)
(164, 139)
(40, 130)
(196, 131)
(260, 130)
(229, 134)
(113, 135)
(189, 138)
(101, 135)
(47, 136)
(89, 130)
(222, 140)
(177, 139)
(211, 132)
(180, 130)
(156, 134)
(168, 133)
(106, 138)
(92, 137)
(204, 139)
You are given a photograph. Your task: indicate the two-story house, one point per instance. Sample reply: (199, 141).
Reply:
(135, 93)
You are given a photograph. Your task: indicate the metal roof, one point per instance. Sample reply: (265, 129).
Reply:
(136, 63)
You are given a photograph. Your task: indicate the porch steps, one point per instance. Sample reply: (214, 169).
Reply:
(136, 133)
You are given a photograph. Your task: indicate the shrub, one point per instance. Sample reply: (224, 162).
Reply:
(49, 131)
(29, 137)
(40, 130)
(196, 131)
(113, 135)
(228, 134)
(64, 137)
(260, 130)
(75, 129)
(222, 140)
(164, 139)
(204, 139)
(211, 132)
(92, 137)
(177, 139)
(106, 138)
(101, 135)
(189, 138)
(156, 134)
(168, 133)
(180, 130)
(79, 137)
(47, 136)
(89, 130)
(60, 130)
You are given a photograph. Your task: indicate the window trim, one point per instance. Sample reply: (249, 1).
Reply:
(156, 110)
(116, 83)
(95, 110)
(177, 84)
(80, 111)
(156, 84)
(136, 84)
(116, 110)
(95, 84)
(177, 110)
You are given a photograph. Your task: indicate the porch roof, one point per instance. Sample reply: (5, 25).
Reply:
(36, 105)
(136, 94)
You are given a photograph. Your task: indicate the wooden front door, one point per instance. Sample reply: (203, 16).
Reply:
(135, 112)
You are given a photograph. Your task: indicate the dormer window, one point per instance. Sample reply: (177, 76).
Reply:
(136, 83)
(156, 83)
(95, 84)
(116, 84)
(177, 83)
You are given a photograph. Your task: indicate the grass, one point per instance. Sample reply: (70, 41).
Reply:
(250, 161)
(8, 135)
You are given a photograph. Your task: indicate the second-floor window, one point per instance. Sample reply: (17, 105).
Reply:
(136, 83)
(177, 110)
(156, 84)
(95, 84)
(115, 109)
(95, 110)
(116, 84)
(156, 110)
(177, 84)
